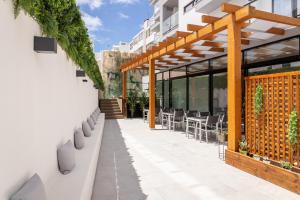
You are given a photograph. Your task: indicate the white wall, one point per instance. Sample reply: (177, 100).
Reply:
(190, 17)
(41, 103)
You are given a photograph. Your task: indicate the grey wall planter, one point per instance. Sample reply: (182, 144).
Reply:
(80, 73)
(44, 45)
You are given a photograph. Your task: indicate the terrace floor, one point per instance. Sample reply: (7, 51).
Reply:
(136, 163)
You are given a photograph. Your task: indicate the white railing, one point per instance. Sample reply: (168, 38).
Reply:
(170, 23)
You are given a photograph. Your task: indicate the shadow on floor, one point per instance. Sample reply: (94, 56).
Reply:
(116, 178)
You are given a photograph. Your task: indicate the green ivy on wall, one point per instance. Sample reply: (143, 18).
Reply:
(258, 100)
(61, 19)
(293, 128)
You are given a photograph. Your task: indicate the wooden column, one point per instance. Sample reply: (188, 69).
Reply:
(151, 93)
(124, 85)
(234, 84)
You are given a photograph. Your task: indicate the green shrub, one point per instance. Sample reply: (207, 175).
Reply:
(258, 100)
(61, 19)
(293, 128)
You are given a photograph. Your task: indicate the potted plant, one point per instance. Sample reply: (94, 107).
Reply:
(286, 165)
(132, 101)
(143, 99)
(243, 147)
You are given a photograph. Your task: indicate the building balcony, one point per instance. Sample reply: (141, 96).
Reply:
(170, 23)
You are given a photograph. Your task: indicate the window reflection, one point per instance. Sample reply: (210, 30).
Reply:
(273, 51)
(179, 93)
(219, 63)
(220, 92)
(166, 90)
(199, 93)
(198, 67)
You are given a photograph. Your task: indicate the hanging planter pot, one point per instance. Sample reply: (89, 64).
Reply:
(80, 73)
(44, 45)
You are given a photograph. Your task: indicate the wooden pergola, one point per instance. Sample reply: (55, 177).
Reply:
(228, 33)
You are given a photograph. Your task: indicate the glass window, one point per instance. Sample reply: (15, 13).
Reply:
(159, 91)
(277, 50)
(179, 93)
(283, 7)
(199, 93)
(178, 72)
(198, 67)
(219, 63)
(166, 90)
(220, 92)
(275, 68)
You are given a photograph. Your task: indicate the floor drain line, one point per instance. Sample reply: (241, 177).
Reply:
(116, 176)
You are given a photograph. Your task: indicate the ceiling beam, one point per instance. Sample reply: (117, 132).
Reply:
(217, 49)
(181, 34)
(193, 27)
(209, 19)
(276, 31)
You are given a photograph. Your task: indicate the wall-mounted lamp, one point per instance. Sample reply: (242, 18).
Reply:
(80, 73)
(44, 45)
(84, 80)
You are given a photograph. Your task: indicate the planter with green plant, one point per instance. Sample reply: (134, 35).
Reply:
(132, 101)
(143, 100)
(286, 165)
(243, 148)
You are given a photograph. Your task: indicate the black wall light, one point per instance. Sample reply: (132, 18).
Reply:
(80, 73)
(84, 80)
(44, 45)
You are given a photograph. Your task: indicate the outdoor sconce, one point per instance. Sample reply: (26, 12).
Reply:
(45, 45)
(80, 73)
(84, 80)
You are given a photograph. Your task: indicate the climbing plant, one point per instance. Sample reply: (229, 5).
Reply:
(61, 19)
(258, 99)
(293, 128)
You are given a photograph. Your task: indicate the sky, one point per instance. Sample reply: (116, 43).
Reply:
(112, 21)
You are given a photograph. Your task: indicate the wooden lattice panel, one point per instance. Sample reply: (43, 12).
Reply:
(266, 134)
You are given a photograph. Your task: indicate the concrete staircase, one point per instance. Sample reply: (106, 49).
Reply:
(111, 109)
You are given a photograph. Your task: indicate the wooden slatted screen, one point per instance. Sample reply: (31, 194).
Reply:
(267, 134)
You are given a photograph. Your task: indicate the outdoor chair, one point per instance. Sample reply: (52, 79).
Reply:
(178, 118)
(211, 125)
(164, 118)
(204, 114)
(145, 114)
(190, 124)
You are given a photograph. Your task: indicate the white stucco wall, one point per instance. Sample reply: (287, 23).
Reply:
(41, 103)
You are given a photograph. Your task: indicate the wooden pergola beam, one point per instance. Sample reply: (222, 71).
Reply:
(209, 19)
(276, 31)
(217, 49)
(181, 34)
(241, 15)
(193, 27)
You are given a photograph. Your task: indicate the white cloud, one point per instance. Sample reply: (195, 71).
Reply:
(124, 1)
(123, 16)
(91, 22)
(93, 4)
